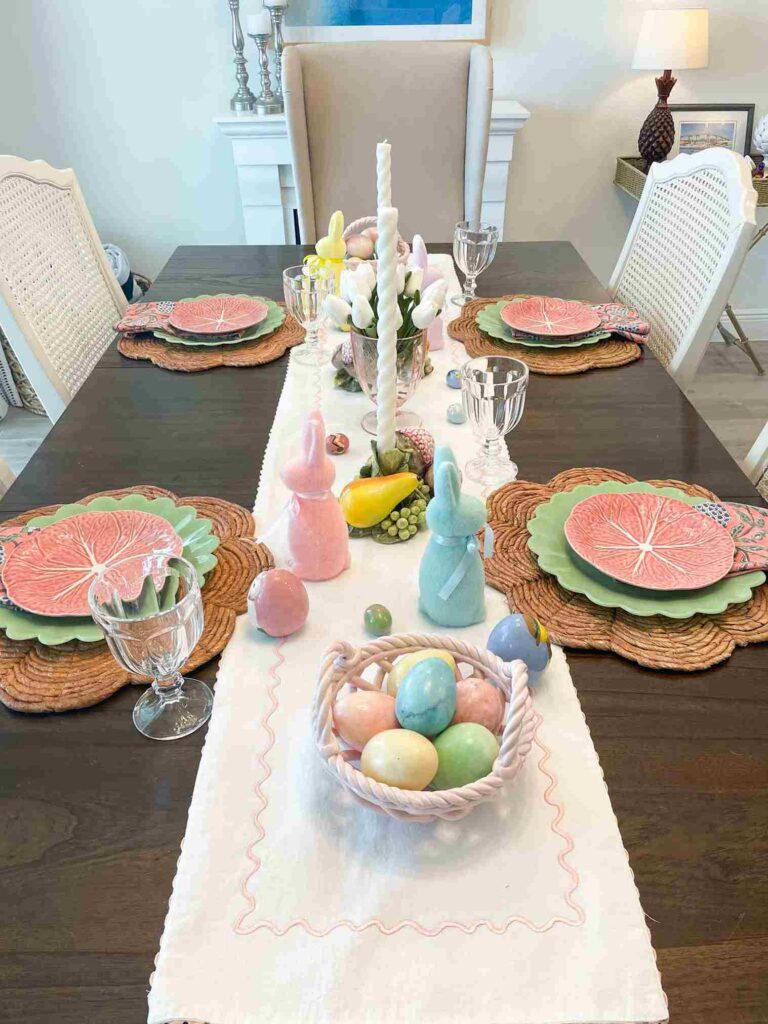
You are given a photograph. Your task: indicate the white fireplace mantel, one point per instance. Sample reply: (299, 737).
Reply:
(268, 198)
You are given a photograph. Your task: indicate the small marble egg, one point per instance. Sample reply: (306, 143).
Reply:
(426, 700)
(403, 665)
(399, 757)
(465, 753)
(360, 246)
(480, 702)
(521, 636)
(278, 603)
(337, 444)
(360, 715)
(377, 620)
(453, 379)
(456, 414)
(372, 233)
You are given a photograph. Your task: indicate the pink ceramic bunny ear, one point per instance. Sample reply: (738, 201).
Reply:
(431, 274)
(312, 471)
(419, 251)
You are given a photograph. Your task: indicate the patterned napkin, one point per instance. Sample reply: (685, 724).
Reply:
(143, 317)
(622, 320)
(748, 525)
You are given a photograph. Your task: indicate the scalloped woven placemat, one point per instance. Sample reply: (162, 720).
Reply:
(193, 359)
(685, 645)
(36, 678)
(550, 362)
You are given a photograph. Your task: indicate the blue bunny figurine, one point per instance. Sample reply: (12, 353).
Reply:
(451, 577)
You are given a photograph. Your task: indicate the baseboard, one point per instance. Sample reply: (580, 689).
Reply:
(754, 322)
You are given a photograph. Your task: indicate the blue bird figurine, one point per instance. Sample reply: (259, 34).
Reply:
(451, 577)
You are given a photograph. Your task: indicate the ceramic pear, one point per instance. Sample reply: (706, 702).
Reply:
(451, 577)
(317, 536)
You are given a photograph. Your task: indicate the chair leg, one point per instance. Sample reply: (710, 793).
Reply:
(739, 339)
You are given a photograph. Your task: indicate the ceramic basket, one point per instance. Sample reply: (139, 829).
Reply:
(403, 249)
(342, 670)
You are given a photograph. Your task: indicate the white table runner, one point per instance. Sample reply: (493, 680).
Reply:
(294, 904)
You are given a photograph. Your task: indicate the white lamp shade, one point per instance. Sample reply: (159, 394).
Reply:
(676, 39)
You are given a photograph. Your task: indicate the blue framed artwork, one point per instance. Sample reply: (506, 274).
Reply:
(325, 21)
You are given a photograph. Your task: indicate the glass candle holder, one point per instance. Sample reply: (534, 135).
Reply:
(411, 358)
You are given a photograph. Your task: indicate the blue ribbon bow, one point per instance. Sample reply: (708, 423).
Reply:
(462, 568)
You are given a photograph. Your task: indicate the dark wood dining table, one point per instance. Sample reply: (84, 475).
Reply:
(92, 814)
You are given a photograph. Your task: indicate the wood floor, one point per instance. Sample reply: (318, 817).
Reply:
(727, 392)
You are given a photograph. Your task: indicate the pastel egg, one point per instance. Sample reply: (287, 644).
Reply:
(465, 753)
(426, 699)
(278, 603)
(403, 665)
(372, 233)
(377, 620)
(456, 414)
(521, 636)
(337, 444)
(399, 757)
(360, 715)
(360, 246)
(479, 701)
(453, 379)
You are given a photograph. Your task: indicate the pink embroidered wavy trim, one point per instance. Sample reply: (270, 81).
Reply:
(240, 927)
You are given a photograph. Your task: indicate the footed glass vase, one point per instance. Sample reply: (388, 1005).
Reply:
(411, 359)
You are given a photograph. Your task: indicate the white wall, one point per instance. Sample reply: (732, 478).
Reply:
(126, 94)
(569, 62)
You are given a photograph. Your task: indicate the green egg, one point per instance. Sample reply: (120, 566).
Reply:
(465, 753)
(377, 620)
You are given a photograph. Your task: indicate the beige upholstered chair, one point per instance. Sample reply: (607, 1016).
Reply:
(432, 101)
(58, 295)
(684, 250)
(756, 462)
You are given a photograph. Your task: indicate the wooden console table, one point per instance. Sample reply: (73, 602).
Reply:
(630, 177)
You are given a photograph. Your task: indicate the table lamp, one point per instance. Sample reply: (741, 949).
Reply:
(668, 39)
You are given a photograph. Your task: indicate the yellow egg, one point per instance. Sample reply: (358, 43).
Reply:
(403, 665)
(399, 757)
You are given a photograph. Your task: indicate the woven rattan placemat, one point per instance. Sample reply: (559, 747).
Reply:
(193, 359)
(37, 678)
(551, 362)
(686, 645)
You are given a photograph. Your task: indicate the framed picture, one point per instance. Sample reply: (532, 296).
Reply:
(701, 126)
(333, 21)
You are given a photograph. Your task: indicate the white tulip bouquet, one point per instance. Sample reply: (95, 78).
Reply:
(358, 304)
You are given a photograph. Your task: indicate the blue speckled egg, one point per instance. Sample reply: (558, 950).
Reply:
(426, 700)
(456, 413)
(453, 379)
(521, 636)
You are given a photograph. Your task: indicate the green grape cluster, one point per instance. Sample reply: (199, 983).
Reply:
(403, 523)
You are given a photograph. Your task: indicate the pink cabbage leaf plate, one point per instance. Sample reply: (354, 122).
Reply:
(556, 318)
(218, 314)
(49, 572)
(650, 541)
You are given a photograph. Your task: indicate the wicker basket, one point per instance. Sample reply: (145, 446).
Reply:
(403, 249)
(630, 177)
(343, 668)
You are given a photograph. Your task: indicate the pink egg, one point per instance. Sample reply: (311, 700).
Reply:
(363, 714)
(278, 602)
(479, 701)
(360, 246)
(372, 233)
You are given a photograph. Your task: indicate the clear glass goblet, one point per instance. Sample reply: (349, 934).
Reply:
(151, 611)
(474, 246)
(411, 357)
(306, 288)
(493, 390)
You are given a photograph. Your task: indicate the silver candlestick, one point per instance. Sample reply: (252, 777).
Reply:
(243, 101)
(276, 10)
(266, 102)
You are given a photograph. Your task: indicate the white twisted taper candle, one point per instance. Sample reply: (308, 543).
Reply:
(386, 356)
(383, 175)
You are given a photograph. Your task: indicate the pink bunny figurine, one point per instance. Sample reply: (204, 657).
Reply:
(318, 539)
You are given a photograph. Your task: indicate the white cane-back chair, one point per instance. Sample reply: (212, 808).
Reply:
(756, 462)
(684, 250)
(58, 295)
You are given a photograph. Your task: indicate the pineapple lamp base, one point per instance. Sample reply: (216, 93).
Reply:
(658, 132)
